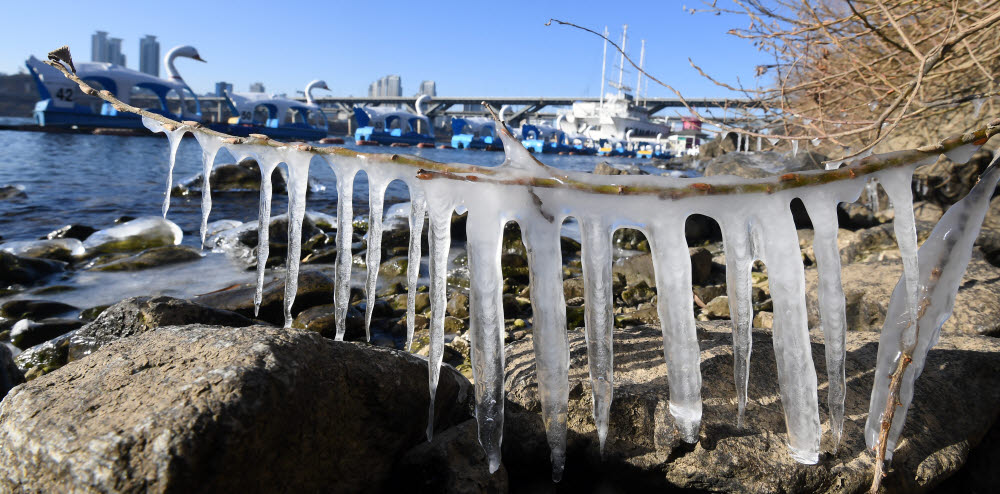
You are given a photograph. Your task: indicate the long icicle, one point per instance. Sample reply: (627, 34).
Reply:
(418, 212)
(486, 327)
(551, 343)
(792, 348)
(298, 184)
(439, 242)
(174, 137)
(209, 149)
(345, 233)
(672, 265)
(598, 317)
(377, 184)
(267, 167)
(739, 246)
(897, 184)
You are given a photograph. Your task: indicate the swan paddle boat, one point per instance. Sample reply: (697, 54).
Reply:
(389, 126)
(64, 105)
(475, 133)
(539, 138)
(276, 117)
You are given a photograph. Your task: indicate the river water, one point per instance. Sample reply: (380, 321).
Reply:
(93, 180)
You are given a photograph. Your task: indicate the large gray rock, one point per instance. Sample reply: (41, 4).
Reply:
(10, 375)
(137, 315)
(215, 409)
(152, 258)
(957, 400)
(869, 285)
(24, 270)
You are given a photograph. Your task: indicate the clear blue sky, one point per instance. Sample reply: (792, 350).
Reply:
(470, 48)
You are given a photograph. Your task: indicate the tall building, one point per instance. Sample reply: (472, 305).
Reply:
(149, 55)
(257, 87)
(427, 87)
(104, 49)
(390, 85)
(223, 87)
(99, 46)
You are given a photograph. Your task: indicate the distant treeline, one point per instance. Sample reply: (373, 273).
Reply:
(18, 95)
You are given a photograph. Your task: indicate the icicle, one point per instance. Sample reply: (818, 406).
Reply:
(598, 316)
(872, 105)
(672, 266)
(174, 140)
(739, 142)
(897, 183)
(267, 167)
(795, 148)
(962, 154)
(440, 243)
(345, 232)
(486, 325)
(942, 259)
(209, 149)
(418, 211)
(871, 192)
(738, 234)
(977, 105)
(551, 344)
(377, 184)
(792, 349)
(759, 142)
(822, 211)
(816, 142)
(833, 165)
(773, 140)
(298, 184)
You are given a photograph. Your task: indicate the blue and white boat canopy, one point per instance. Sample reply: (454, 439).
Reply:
(383, 119)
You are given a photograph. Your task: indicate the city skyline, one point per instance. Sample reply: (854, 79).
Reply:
(149, 55)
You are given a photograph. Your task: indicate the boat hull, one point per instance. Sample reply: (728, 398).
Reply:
(47, 116)
(387, 139)
(279, 133)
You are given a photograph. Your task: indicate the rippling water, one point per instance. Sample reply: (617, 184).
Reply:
(92, 180)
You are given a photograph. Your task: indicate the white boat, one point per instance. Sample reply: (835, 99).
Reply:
(63, 104)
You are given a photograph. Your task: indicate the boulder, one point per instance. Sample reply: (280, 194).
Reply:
(216, 409)
(23, 270)
(323, 320)
(134, 235)
(152, 258)
(314, 288)
(869, 285)
(8, 192)
(34, 309)
(452, 462)
(26, 333)
(232, 177)
(44, 357)
(718, 146)
(957, 400)
(59, 249)
(10, 375)
(79, 232)
(137, 315)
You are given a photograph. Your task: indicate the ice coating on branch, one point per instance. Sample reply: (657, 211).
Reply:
(174, 136)
(439, 241)
(598, 317)
(377, 183)
(418, 212)
(551, 343)
(345, 231)
(739, 234)
(298, 183)
(672, 266)
(942, 259)
(210, 146)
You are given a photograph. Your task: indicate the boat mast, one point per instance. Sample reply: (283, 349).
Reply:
(638, 83)
(604, 63)
(621, 67)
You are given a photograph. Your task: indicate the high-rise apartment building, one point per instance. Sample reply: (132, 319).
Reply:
(149, 55)
(427, 87)
(104, 49)
(390, 85)
(257, 87)
(223, 87)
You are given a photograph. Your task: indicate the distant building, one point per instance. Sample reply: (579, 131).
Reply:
(149, 55)
(428, 88)
(104, 49)
(257, 87)
(223, 87)
(390, 85)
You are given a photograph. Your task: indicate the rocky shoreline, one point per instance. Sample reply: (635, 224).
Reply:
(233, 389)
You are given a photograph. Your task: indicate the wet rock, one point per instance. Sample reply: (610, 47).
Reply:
(10, 375)
(79, 232)
(718, 146)
(44, 357)
(637, 294)
(314, 288)
(26, 333)
(717, 308)
(701, 265)
(630, 239)
(33, 309)
(152, 258)
(23, 270)
(134, 235)
(315, 412)
(421, 303)
(60, 249)
(942, 426)
(12, 192)
(944, 183)
(869, 285)
(232, 177)
(452, 462)
(322, 319)
(458, 305)
(137, 315)
(605, 168)
(573, 288)
(393, 268)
